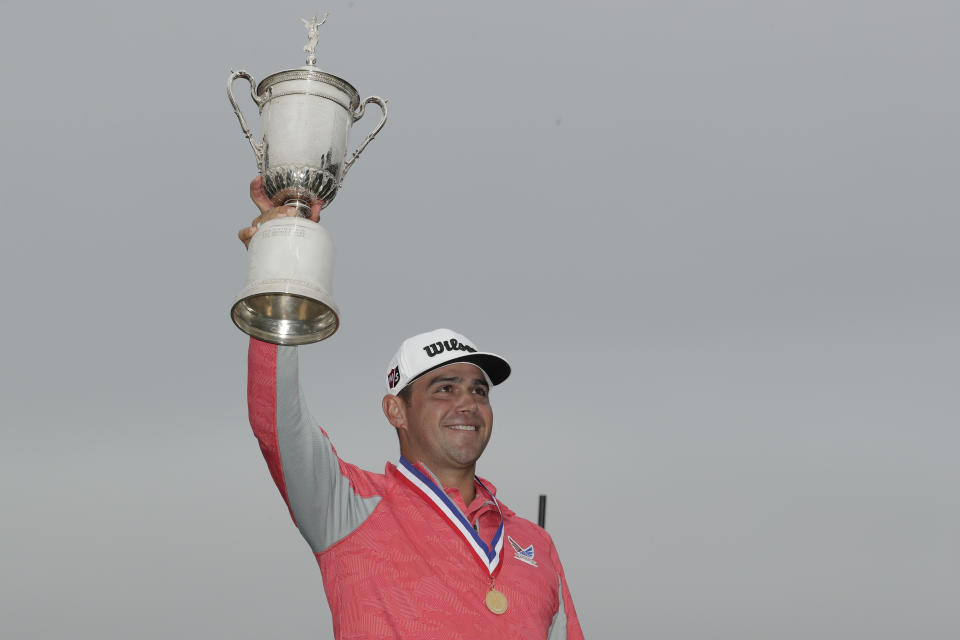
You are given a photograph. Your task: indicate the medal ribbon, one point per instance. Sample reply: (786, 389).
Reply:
(489, 554)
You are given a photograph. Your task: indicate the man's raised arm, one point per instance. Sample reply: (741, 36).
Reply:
(327, 498)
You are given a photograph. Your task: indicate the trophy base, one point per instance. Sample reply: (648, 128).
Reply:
(286, 298)
(285, 318)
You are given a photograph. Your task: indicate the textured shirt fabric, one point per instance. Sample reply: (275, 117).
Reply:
(392, 566)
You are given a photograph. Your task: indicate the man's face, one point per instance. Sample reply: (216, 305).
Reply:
(449, 418)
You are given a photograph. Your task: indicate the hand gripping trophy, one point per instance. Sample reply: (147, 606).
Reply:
(305, 118)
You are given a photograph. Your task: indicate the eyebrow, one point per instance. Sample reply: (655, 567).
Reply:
(457, 379)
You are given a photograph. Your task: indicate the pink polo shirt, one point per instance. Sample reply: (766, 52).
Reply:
(392, 565)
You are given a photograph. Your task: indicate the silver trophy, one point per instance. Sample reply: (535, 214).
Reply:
(305, 118)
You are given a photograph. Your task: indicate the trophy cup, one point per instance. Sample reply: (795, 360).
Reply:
(305, 118)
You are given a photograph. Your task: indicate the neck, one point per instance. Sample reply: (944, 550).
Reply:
(463, 482)
(459, 479)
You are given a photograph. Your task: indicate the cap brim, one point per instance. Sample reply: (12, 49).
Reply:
(496, 368)
(493, 365)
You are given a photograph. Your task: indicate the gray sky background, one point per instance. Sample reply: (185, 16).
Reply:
(716, 240)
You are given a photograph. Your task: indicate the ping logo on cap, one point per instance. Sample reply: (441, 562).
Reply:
(452, 344)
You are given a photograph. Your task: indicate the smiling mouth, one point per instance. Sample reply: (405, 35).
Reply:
(463, 427)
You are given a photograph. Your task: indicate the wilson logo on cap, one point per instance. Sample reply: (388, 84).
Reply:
(393, 377)
(452, 344)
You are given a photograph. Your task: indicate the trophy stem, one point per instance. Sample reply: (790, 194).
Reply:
(302, 205)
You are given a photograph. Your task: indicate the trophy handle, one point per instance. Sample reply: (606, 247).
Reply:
(256, 146)
(363, 145)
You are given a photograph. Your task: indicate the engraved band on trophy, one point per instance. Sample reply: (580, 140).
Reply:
(305, 118)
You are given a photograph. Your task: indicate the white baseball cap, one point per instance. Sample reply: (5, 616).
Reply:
(427, 351)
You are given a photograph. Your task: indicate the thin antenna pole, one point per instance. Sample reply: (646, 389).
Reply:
(542, 515)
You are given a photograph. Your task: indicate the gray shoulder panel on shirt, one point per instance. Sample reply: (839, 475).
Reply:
(321, 499)
(558, 628)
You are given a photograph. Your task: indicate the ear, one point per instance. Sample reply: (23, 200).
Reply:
(395, 409)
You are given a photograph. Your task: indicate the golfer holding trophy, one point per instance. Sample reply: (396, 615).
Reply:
(426, 549)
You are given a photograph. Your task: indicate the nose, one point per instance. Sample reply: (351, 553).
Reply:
(467, 402)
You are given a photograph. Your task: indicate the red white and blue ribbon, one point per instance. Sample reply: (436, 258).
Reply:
(489, 554)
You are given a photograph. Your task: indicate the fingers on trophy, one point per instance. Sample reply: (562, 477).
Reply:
(305, 120)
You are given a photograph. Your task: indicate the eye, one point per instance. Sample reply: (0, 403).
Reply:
(481, 391)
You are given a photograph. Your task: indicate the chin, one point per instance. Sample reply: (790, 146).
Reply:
(470, 459)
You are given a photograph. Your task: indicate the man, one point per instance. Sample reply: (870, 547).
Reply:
(426, 549)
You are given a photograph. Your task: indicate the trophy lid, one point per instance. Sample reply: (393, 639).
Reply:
(310, 71)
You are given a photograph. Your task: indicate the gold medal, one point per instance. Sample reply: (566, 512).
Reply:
(496, 601)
